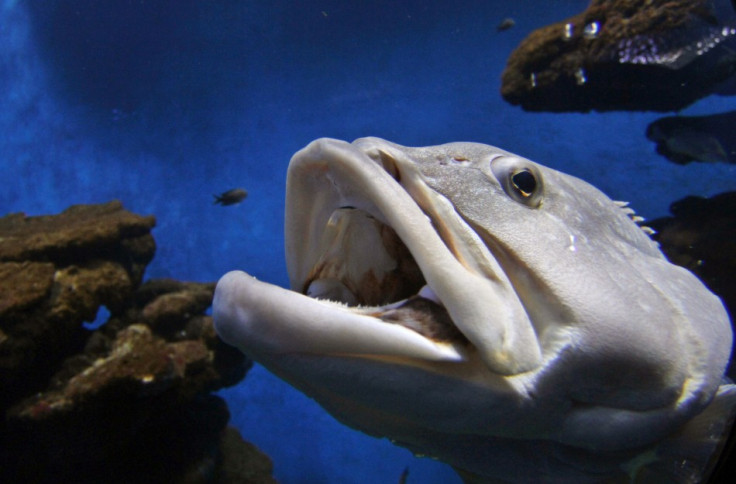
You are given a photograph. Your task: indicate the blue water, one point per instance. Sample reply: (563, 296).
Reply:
(161, 104)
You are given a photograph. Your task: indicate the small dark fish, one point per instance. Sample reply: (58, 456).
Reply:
(404, 475)
(231, 197)
(694, 145)
(505, 24)
(683, 139)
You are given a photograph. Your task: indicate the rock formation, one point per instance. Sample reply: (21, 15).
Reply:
(701, 236)
(659, 55)
(129, 401)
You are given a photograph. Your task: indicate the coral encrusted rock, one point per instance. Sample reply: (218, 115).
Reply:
(658, 55)
(131, 400)
(55, 272)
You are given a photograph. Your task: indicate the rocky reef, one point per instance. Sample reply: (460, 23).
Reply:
(701, 236)
(659, 55)
(131, 400)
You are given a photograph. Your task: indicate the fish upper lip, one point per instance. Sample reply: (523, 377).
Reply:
(369, 176)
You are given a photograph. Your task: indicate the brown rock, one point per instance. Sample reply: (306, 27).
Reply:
(80, 233)
(623, 55)
(186, 299)
(55, 272)
(128, 402)
(242, 462)
(23, 284)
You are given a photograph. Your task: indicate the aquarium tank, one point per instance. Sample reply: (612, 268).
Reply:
(507, 257)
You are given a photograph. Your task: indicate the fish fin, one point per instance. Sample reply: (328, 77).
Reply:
(637, 219)
(218, 199)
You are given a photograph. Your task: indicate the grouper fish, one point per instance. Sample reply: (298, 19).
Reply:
(501, 316)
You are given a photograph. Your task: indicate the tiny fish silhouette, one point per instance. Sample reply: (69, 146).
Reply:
(505, 24)
(231, 197)
(404, 476)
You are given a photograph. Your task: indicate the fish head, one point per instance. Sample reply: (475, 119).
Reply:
(465, 302)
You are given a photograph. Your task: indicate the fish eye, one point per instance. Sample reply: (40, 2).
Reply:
(524, 182)
(520, 179)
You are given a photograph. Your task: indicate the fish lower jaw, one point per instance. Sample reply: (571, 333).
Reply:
(268, 322)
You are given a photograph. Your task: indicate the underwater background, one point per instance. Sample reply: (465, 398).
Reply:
(162, 104)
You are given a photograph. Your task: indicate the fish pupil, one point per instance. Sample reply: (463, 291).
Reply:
(524, 182)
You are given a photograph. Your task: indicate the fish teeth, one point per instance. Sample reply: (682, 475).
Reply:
(427, 293)
(331, 289)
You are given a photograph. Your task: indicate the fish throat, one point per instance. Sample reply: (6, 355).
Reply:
(364, 264)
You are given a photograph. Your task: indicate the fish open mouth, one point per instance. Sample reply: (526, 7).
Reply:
(364, 229)
(363, 263)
